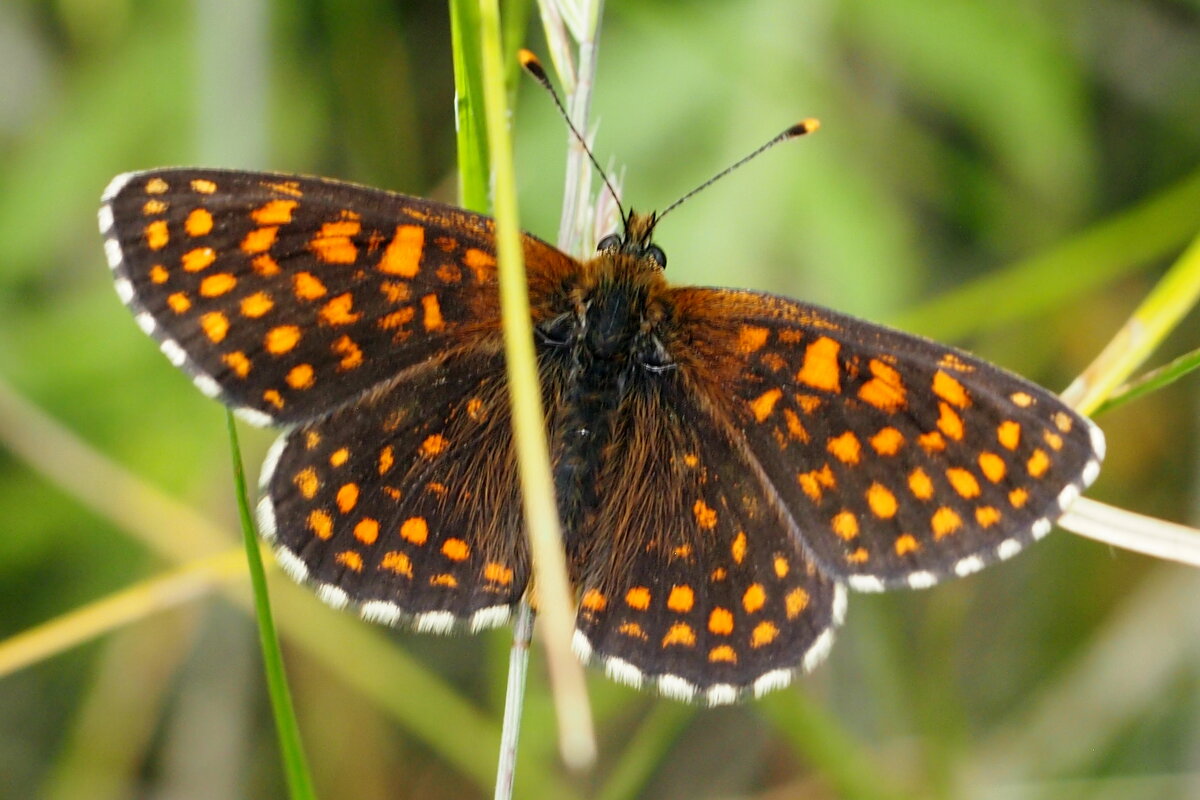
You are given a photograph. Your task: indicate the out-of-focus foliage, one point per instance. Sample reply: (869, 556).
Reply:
(957, 139)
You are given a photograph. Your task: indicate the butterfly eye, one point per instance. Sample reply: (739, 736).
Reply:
(656, 254)
(610, 242)
(654, 357)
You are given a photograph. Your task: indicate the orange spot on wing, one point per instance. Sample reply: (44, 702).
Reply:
(433, 445)
(845, 448)
(337, 311)
(781, 567)
(1009, 434)
(795, 427)
(764, 633)
(764, 404)
(300, 376)
(882, 502)
(885, 390)
(237, 363)
(950, 390)
(215, 325)
(932, 442)
(179, 302)
(152, 207)
(386, 459)
(347, 497)
(217, 284)
(273, 397)
(722, 653)
(638, 597)
(307, 286)
(593, 600)
(706, 517)
(632, 629)
(944, 522)
(1018, 497)
(281, 339)
(794, 602)
(887, 441)
(198, 223)
(845, 525)
(274, 212)
(432, 317)
(738, 548)
(963, 482)
(198, 258)
(949, 422)
(350, 559)
(398, 563)
(497, 573)
(397, 319)
(402, 256)
(455, 549)
(351, 355)
(445, 579)
(257, 304)
(367, 530)
(906, 543)
(203, 186)
(415, 530)
(157, 235)
(159, 274)
(1021, 399)
(1063, 421)
(754, 598)
(679, 633)
(259, 240)
(482, 264)
(751, 338)
(920, 484)
(307, 482)
(987, 516)
(820, 369)
(814, 483)
(156, 185)
(681, 599)
(321, 524)
(720, 621)
(334, 244)
(1038, 463)
(265, 266)
(992, 466)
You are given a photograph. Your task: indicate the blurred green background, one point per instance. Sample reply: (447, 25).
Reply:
(1008, 176)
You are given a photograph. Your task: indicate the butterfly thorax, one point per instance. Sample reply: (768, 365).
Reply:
(609, 346)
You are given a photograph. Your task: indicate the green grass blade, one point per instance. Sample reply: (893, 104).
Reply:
(1152, 381)
(473, 164)
(291, 749)
(1152, 229)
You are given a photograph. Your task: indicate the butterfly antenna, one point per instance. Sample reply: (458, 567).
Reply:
(531, 64)
(799, 129)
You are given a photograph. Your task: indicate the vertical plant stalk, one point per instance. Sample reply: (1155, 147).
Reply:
(514, 701)
(291, 749)
(555, 608)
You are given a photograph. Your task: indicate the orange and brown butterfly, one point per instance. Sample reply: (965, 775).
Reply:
(726, 462)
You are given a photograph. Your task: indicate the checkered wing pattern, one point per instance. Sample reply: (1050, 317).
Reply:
(691, 584)
(285, 296)
(899, 461)
(406, 506)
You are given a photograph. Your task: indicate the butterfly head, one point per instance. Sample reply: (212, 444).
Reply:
(636, 241)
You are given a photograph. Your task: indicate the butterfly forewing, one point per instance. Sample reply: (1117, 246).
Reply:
(287, 296)
(900, 461)
(690, 582)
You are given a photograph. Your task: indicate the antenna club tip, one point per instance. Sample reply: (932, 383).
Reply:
(804, 126)
(530, 63)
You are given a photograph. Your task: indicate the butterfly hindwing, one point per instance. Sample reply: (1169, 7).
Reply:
(689, 582)
(406, 505)
(901, 461)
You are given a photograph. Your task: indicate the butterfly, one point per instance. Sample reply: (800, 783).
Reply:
(727, 463)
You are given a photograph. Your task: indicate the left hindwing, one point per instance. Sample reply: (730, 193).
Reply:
(899, 461)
